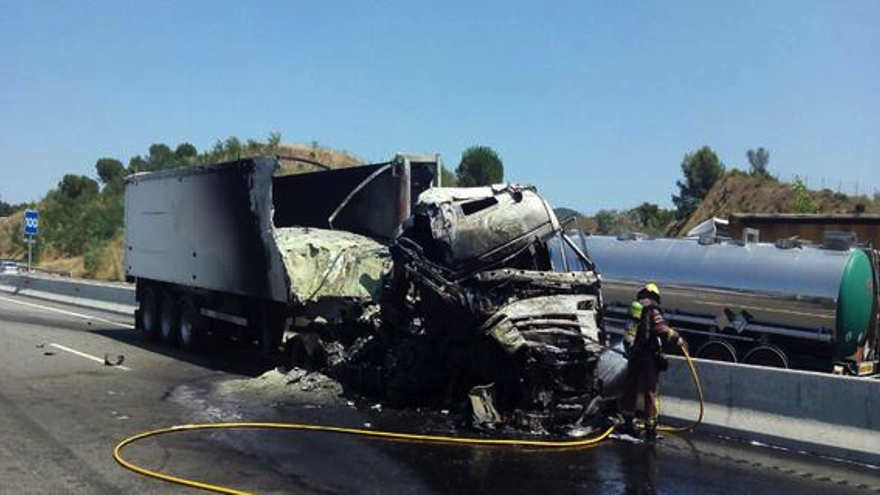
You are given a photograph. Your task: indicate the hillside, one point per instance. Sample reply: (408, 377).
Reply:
(291, 154)
(737, 192)
(10, 231)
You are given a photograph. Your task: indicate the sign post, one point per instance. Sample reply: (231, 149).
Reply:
(31, 227)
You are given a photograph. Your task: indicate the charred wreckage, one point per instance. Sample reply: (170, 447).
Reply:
(470, 300)
(467, 296)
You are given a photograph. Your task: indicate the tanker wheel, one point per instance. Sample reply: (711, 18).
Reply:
(766, 355)
(149, 315)
(192, 334)
(170, 321)
(717, 350)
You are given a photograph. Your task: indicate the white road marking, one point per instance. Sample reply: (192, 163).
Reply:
(87, 356)
(65, 312)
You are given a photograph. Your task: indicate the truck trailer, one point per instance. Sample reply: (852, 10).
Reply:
(208, 242)
(401, 290)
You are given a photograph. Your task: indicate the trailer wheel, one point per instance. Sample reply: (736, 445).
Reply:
(170, 322)
(717, 350)
(191, 332)
(149, 315)
(767, 355)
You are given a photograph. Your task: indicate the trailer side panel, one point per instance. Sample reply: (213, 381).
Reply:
(205, 227)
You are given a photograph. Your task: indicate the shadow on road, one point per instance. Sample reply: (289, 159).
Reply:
(223, 354)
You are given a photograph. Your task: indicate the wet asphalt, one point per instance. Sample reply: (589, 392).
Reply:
(61, 414)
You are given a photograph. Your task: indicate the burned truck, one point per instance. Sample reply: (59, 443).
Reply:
(403, 291)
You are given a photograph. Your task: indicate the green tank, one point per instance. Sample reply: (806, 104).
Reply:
(855, 303)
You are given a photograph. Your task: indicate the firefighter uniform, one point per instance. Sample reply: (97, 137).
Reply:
(648, 333)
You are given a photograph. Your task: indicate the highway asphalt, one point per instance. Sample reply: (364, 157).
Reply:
(62, 410)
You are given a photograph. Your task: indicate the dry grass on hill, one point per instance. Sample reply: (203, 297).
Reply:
(331, 158)
(740, 193)
(10, 230)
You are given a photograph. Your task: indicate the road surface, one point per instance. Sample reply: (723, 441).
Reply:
(62, 410)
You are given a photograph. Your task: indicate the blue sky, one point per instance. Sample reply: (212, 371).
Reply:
(595, 103)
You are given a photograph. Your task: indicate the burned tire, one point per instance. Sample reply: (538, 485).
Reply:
(169, 324)
(148, 326)
(192, 333)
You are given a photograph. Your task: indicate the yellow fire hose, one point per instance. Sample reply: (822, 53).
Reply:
(696, 379)
(375, 434)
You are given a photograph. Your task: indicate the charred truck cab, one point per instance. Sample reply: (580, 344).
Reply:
(473, 279)
(400, 290)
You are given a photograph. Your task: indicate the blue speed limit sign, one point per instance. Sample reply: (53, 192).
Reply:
(31, 222)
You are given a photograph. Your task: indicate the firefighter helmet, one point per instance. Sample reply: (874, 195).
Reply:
(650, 290)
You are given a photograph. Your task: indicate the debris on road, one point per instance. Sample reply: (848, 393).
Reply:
(114, 360)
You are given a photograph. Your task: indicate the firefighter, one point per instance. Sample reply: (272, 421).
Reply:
(647, 335)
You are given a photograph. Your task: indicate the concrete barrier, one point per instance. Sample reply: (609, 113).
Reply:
(819, 413)
(111, 296)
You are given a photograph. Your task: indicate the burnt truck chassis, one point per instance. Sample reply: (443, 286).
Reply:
(403, 292)
(453, 321)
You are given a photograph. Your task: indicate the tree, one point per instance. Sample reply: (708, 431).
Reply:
(233, 147)
(701, 170)
(803, 202)
(606, 222)
(184, 152)
(6, 209)
(479, 166)
(138, 164)
(758, 160)
(161, 157)
(77, 186)
(109, 169)
(447, 178)
(651, 219)
(274, 141)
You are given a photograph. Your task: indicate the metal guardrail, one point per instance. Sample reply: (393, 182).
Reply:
(48, 271)
(120, 294)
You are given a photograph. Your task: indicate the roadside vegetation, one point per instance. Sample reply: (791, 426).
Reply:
(81, 222)
(82, 217)
(708, 188)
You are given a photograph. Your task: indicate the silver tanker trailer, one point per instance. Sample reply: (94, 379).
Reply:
(784, 305)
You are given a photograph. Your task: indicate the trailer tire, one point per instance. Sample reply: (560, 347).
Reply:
(192, 333)
(149, 315)
(717, 350)
(170, 321)
(766, 355)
